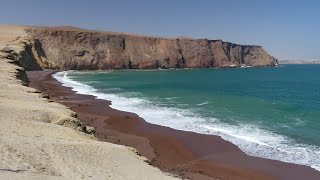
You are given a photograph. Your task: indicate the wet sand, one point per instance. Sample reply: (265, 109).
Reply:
(187, 154)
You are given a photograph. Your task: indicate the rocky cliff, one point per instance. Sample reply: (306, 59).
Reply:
(74, 48)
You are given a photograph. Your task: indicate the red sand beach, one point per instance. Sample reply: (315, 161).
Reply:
(187, 154)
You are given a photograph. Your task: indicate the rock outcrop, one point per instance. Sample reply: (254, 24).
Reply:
(74, 48)
(13, 55)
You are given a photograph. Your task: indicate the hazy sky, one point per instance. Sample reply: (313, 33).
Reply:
(285, 28)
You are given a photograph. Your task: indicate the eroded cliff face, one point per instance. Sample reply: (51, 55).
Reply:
(56, 48)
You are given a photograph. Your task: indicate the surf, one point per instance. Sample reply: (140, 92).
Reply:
(251, 139)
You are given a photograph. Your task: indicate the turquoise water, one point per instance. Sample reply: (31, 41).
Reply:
(267, 112)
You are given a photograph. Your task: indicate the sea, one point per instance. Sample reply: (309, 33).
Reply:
(269, 112)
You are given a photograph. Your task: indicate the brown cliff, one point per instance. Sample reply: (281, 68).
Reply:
(75, 48)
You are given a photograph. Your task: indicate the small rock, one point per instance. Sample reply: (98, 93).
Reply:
(7, 50)
(90, 130)
(46, 96)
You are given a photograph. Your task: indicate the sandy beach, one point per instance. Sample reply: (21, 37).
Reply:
(188, 154)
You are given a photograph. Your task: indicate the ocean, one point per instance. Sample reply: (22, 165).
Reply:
(269, 112)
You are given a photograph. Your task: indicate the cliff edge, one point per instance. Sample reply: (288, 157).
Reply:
(74, 48)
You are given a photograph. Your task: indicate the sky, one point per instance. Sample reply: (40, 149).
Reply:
(287, 29)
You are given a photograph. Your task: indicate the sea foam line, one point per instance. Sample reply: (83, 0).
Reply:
(250, 139)
(204, 103)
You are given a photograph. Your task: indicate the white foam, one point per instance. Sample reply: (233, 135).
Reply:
(251, 139)
(204, 103)
(171, 98)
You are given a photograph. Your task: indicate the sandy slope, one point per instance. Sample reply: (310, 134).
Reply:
(34, 146)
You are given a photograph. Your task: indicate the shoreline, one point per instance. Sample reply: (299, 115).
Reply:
(187, 154)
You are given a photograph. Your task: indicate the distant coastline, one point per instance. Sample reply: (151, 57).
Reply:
(299, 61)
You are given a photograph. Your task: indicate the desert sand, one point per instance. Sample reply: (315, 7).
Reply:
(41, 139)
